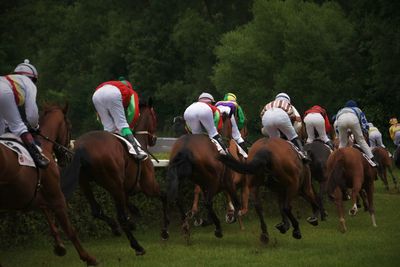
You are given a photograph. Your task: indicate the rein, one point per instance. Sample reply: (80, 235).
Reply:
(57, 145)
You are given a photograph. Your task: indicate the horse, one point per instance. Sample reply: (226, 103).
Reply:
(194, 157)
(347, 168)
(24, 188)
(103, 158)
(319, 153)
(238, 179)
(275, 163)
(381, 156)
(396, 157)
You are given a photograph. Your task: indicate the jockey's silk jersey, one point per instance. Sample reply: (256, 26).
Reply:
(322, 111)
(360, 115)
(236, 110)
(130, 100)
(216, 116)
(284, 105)
(393, 129)
(231, 104)
(19, 88)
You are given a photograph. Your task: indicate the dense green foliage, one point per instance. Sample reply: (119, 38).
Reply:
(320, 52)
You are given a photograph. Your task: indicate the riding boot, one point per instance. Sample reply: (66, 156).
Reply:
(296, 141)
(40, 160)
(221, 142)
(243, 146)
(374, 161)
(139, 155)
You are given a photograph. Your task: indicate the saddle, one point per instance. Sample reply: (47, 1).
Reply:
(15, 144)
(357, 146)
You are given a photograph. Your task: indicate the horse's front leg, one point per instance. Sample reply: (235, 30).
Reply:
(59, 248)
(369, 188)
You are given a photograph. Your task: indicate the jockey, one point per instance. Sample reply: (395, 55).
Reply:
(374, 136)
(394, 131)
(230, 107)
(18, 105)
(203, 115)
(117, 105)
(277, 117)
(352, 118)
(316, 119)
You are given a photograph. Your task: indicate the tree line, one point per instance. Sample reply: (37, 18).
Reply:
(319, 52)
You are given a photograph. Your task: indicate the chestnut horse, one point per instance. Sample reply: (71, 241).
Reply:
(275, 163)
(194, 157)
(103, 158)
(347, 168)
(381, 155)
(24, 188)
(319, 153)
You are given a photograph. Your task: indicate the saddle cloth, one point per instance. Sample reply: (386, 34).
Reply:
(241, 151)
(219, 147)
(364, 155)
(131, 150)
(24, 158)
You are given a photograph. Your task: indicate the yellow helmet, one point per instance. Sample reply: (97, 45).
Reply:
(393, 121)
(230, 97)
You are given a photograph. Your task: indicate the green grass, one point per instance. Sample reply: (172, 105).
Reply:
(324, 245)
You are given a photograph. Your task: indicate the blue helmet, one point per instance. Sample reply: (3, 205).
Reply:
(351, 104)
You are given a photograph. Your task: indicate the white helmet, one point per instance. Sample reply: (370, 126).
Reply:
(370, 124)
(26, 69)
(206, 97)
(283, 95)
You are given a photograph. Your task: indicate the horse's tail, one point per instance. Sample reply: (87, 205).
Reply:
(335, 175)
(70, 175)
(179, 167)
(260, 162)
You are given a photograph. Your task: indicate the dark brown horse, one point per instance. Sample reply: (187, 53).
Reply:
(103, 158)
(396, 157)
(381, 156)
(347, 168)
(23, 188)
(319, 153)
(273, 162)
(194, 157)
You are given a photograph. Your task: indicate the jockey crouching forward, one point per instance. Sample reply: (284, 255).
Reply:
(18, 93)
(277, 117)
(394, 131)
(352, 118)
(117, 104)
(203, 115)
(317, 120)
(230, 107)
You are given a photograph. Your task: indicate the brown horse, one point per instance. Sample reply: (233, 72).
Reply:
(319, 153)
(381, 155)
(23, 188)
(194, 157)
(396, 157)
(273, 162)
(103, 158)
(347, 168)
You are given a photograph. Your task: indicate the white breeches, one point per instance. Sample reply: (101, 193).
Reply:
(275, 120)
(397, 138)
(108, 103)
(9, 111)
(350, 121)
(199, 115)
(315, 122)
(235, 130)
(375, 139)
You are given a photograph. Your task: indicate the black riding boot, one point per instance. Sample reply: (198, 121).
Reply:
(40, 160)
(221, 142)
(374, 161)
(243, 146)
(131, 140)
(296, 141)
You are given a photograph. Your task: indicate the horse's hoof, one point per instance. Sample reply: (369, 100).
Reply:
(140, 252)
(218, 233)
(282, 227)
(164, 235)
(91, 261)
(190, 214)
(60, 250)
(313, 221)
(198, 222)
(264, 238)
(352, 212)
(296, 234)
(230, 218)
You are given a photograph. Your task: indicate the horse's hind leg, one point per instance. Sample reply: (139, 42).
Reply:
(264, 237)
(383, 174)
(209, 205)
(284, 225)
(393, 177)
(59, 248)
(308, 194)
(369, 188)
(97, 211)
(287, 209)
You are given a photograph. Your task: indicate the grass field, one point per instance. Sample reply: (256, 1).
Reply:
(324, 245)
